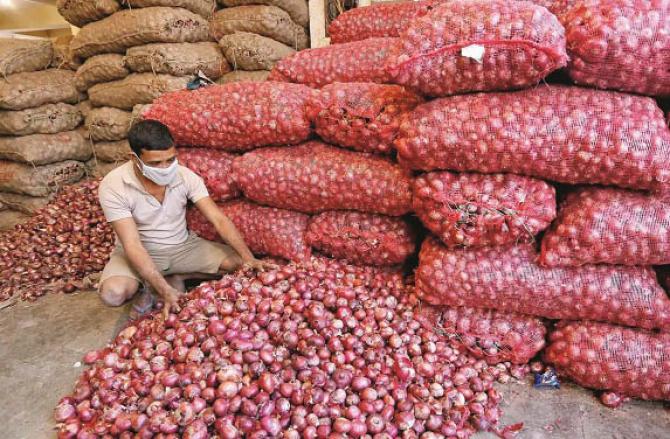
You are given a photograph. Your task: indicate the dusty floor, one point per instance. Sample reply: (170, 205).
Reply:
(41, 344)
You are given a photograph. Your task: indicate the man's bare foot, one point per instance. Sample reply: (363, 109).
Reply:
(144, 303)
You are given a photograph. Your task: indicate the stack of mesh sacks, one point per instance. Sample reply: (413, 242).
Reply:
(42, 146)
(486, 278)
(133, 51)
(255, 34)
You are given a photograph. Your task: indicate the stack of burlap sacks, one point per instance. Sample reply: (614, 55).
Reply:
(255, 34)
(133, 51)
(42, 143)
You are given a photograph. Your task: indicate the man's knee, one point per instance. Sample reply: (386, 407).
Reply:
(231, 263)
(115, 292)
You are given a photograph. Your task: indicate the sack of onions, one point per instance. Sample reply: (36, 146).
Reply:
(493, 336)
(631, 362)
(362, 238)
(510, 279)
(215, 167)
(266, 230)
(474, 210)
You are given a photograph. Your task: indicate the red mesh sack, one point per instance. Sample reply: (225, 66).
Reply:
(361, 116)
(362, 238)
(315, 177)
(376, 20)
(510, 279)
(566, 134)
(609, 226)
(631, 362)
(236, 116)
(620, 44)
(266, 230)
(360, 61)
(489, 335)
(478, 45)
(215, 167)
(480, 210)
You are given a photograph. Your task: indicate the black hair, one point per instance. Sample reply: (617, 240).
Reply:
(149, 135)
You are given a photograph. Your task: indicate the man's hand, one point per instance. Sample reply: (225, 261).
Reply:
(258, 265)
(170, 297)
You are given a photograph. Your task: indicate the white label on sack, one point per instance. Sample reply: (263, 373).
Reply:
(474, 51)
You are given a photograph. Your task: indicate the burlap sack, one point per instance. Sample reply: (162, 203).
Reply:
(41, 149)
(135, 27)
(17, 55)
(39, 181)
(137, 88)
(23, 203)
(98, 169)
(118, 151)
(84, 107)
(297, 9)
(247, 51)
(201, 7)
(178, 59)
(244, 76)
(80, 12)
(63, 57)
(108, 124)
(47, 119)
(32, 89)
(100, 68)
(268, 21)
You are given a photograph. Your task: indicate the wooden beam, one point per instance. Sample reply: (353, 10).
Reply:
(317, 23)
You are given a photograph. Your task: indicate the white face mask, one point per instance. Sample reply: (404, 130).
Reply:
(160, 176)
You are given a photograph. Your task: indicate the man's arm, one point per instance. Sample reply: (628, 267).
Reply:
(126, 230)
(225, 228)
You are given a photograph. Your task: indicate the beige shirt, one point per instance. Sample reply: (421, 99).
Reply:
(122, 195)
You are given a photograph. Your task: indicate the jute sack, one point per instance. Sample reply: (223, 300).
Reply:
(41, 149)
(17, 55)
(84, 107)
(23, 203)
(244, 76)
(178, 59)
(135, 27)
(136, 88)
(100, 68)
(112, 151)
(98, 169)
(39, 181)
(46, 119)
(81, 12)
(32, 89)
(201, 7)
(297, 9)
(247, 51)
(63, 57)
(108, 124)
(268, 21)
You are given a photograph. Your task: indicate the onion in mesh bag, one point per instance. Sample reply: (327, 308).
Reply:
(215, 167)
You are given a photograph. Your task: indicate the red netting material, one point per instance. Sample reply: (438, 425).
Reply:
(489, 335)
(376, 20)
(362, 238)
(266, 230)
(621, 45)
(473, 210)
(360, 61)
(315, 177)
(609, 226)
(360, 116)
(566, 134)
(510, 279)
(235, 116)
(215, 167)
(520, 44)
(628, 361)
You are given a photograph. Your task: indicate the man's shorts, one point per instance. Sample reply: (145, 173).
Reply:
(196, 255)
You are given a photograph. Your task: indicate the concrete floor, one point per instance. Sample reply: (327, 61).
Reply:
(42, 342)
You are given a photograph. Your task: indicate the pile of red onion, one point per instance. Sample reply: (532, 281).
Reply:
(316, 350)
(54, 250)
